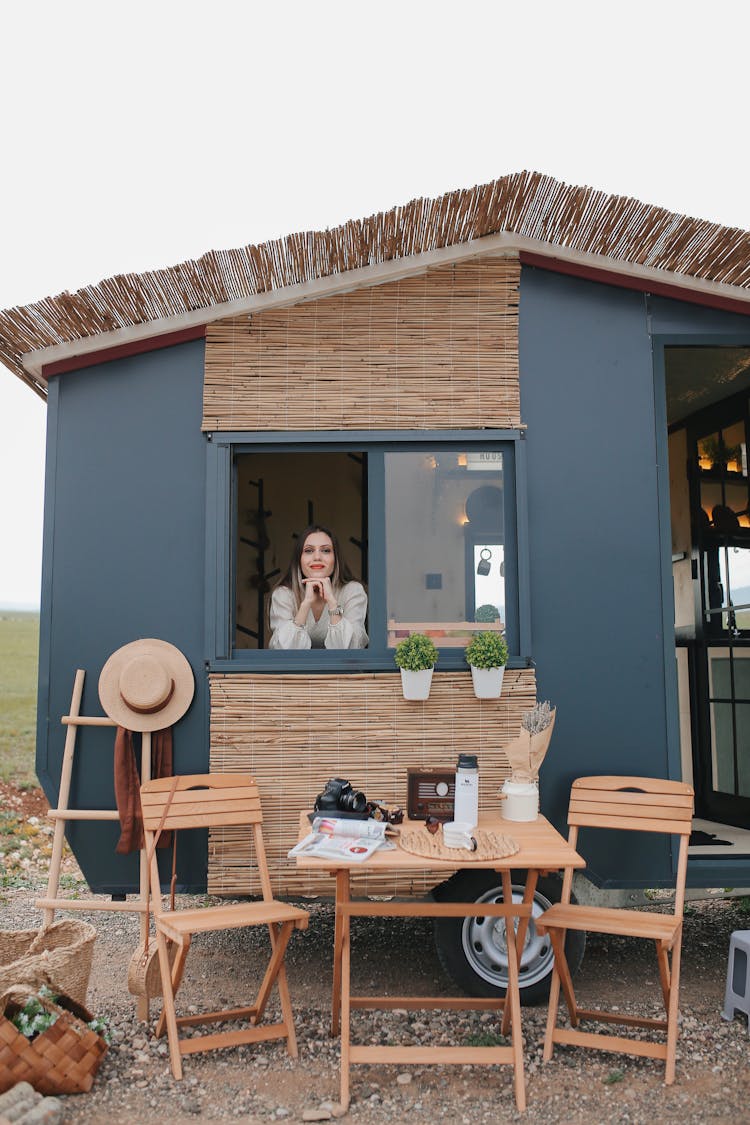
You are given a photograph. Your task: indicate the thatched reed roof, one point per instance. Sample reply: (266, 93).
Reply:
(525, 204)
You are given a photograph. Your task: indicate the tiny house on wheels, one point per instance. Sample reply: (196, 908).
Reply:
(524, 395)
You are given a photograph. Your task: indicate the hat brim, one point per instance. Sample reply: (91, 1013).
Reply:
(177, 667)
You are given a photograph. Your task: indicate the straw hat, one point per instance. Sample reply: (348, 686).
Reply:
(146, 685)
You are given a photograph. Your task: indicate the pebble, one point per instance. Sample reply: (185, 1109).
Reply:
(404, 1078)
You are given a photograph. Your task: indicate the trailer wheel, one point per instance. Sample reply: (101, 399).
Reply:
(473, 951)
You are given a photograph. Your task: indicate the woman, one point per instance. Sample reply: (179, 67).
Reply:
(317, 604)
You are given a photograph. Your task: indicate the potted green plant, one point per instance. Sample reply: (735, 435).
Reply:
(487, 653)
(487, 613)
(416, 656)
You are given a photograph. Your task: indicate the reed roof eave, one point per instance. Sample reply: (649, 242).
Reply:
(524, 209)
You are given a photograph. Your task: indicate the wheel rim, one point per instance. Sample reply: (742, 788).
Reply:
(486, 948)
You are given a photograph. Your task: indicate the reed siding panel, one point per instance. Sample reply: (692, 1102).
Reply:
(435, 351)
(293, 732)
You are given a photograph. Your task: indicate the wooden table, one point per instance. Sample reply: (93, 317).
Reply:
(541, 849)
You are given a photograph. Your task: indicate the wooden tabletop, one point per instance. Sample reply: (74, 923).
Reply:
(540, 846)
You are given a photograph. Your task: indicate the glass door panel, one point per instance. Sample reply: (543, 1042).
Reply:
(729, 705)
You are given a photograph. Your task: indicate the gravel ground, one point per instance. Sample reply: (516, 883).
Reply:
(261, 1084)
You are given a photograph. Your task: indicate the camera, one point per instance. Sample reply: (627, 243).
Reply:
(338, 796)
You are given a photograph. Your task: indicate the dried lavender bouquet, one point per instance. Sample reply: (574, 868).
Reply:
(526, 753)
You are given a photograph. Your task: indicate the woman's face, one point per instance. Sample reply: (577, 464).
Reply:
(317, 559)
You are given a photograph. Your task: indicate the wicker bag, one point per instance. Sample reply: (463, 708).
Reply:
(58, 955)
(144, 973)
(62, 1060)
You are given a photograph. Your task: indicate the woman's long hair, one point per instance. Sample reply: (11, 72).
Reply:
(292, 577)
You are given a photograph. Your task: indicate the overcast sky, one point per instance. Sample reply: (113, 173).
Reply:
(136, 135)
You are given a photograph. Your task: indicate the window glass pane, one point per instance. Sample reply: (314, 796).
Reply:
(709, 452)
(729, 688)
(742, 715)
(722, 747)
(445, 544)
(734, 571)
(735, 450)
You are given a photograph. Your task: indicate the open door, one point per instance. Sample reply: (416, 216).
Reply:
(711, 525)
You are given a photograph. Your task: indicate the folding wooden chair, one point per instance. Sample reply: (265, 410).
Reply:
(199, 801)
(639, 804)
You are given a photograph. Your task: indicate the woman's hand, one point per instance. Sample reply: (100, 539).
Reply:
(312, 590)
(328, 595)
(319, 588)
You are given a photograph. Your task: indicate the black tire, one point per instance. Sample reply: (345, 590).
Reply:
(472, 950)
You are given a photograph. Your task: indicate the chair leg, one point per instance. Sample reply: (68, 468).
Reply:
(664, 973)
(554, 1003)
(177, 970)
(284, 997)
(169, 1010)
(557, 937)
(279, 942)
(287, 1014)
(673, 1011)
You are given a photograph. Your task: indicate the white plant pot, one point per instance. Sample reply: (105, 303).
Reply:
(488, 682)
(416, 685)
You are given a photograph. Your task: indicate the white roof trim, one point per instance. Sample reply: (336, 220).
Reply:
(506, 244)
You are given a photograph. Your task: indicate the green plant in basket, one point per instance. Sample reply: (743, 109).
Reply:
(487, 650)
(34, 1018)
(416, 653)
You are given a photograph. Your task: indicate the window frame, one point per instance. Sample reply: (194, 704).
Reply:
(222, 450)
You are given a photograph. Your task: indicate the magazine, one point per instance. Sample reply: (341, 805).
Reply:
(351, 840)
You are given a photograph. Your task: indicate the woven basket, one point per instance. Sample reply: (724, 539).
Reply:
(58, 955)
(62, 1060)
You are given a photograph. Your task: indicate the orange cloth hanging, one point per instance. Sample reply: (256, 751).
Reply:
(127, 785)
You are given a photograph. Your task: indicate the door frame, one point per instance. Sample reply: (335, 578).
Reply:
(698, 684)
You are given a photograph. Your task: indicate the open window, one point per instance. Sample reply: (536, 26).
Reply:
(429, 523)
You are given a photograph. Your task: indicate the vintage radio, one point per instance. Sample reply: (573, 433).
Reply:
(430, 793)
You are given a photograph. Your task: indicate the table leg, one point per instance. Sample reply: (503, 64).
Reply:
(532, 877)
(345, 1005)
(342, 895)
(513, 1001)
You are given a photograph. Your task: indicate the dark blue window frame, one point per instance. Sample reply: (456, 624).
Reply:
(222, 450)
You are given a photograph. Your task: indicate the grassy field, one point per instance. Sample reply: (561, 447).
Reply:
(19, 654)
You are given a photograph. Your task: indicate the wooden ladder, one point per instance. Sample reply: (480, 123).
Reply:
(63, 813)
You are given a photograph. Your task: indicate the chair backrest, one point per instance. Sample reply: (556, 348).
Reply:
(200, 801)
(204, 801)
(635, 804)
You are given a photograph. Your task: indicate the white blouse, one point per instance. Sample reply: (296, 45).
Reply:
(348, 633)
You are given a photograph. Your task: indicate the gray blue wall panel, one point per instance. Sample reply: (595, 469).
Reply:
(123, 558)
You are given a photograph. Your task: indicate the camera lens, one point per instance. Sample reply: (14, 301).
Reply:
(352, 801)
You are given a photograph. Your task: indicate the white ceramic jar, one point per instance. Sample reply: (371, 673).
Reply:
(520, 800)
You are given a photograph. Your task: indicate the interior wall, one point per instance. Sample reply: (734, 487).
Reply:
(679, 500)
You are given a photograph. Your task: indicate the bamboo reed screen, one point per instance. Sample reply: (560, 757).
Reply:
(434, 351)
(529, 204)
(294, 732)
